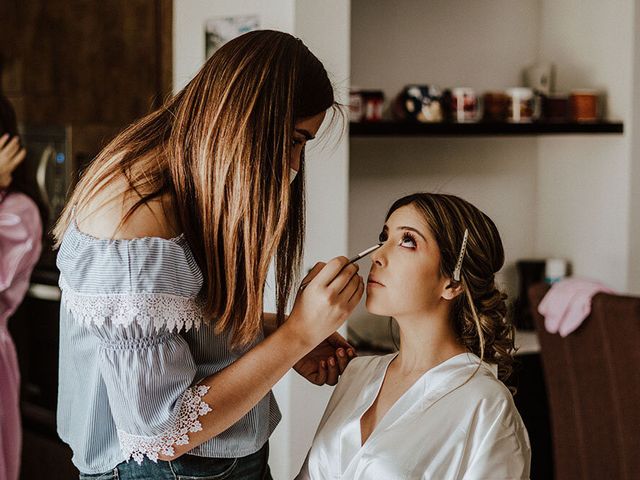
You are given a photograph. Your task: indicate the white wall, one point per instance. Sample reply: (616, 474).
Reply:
(633, 129)
(324, 27)
(483, 45)
(584, 190)
(189, 17)
(563, 196)
(495, 174)
(480, 44)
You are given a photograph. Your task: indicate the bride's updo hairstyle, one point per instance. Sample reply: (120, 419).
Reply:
(479, 313)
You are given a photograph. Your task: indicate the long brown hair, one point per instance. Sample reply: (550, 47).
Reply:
(220, 148)
(479, 315)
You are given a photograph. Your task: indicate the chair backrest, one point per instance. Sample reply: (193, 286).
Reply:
(593, 385)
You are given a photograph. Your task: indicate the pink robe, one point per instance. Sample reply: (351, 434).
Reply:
(20, 245)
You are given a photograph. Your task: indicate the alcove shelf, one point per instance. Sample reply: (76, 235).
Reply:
(410, 129)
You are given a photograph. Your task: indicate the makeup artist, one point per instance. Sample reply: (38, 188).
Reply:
(166, 358)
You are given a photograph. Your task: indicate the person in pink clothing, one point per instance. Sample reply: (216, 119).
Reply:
(20, 245)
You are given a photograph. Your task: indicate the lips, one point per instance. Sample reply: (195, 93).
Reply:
(372, 280)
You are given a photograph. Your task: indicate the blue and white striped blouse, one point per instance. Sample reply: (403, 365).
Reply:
(133, 346)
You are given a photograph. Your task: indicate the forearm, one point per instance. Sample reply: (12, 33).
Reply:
(270, 322)
(236, 389)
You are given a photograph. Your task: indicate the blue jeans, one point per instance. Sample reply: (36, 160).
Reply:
(191, 467)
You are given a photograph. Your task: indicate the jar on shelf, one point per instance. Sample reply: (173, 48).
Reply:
(356, 106)
(365, 105)
(419, 103)
(495, 105)
(583, 105)
(555, 107)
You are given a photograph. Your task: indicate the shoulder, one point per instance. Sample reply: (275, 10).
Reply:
(360, 369)
(492, 399)
(364, 363)
(101, 217)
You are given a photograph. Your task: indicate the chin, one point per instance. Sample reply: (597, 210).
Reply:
(377, 307)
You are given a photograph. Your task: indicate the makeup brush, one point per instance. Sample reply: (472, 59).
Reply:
(364, 253)
(355, 258)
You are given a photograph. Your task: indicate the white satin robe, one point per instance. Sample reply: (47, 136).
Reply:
(441, 428)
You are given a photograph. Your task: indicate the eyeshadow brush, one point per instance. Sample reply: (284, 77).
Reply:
(355, 258)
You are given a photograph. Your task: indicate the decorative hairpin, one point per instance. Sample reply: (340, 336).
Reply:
(456, 271)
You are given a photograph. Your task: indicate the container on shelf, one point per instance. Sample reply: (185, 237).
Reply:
(495, 105)
(465, 105)
(419, 103)
(583, 105)
(540, 77)
(356, 108)
(555, 107)
(521, 107)
(555, 270)
(365, 105)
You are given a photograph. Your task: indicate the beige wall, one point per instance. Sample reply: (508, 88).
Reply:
(633, 127)
(483, 45)
(562, 196)
(583, 182)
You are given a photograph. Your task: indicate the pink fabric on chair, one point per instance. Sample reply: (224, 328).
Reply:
(20, 245)
(568, 303)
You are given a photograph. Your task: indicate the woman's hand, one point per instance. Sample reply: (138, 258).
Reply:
(332, 292)
(11, 154)
(326, 362)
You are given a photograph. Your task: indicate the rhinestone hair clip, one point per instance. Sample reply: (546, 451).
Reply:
(456, 271)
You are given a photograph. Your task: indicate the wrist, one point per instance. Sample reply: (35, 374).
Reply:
(295, 337)
(270, 323)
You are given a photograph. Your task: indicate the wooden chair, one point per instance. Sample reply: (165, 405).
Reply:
(593, 384)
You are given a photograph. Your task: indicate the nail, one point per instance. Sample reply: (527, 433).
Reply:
(323, 364)
(351, 353)
(332, 362)
(340, 352)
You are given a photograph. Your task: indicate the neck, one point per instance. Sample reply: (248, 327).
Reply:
(426, 340)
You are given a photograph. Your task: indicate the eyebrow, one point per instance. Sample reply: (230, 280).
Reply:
(306, 133)
(385, 229)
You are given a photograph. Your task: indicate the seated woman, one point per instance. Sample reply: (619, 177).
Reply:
(437, 408)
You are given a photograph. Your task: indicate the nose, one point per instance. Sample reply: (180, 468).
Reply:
(295, 161)
(378, 257)
(297, 157)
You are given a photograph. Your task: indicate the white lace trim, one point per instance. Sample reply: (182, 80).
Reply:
(191, 408)
(158, 309)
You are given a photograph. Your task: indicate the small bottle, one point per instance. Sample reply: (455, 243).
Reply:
(555, 270)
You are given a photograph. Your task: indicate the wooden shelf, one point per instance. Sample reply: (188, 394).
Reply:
(411, 129)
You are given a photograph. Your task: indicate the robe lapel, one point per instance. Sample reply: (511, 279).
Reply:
(350, 434)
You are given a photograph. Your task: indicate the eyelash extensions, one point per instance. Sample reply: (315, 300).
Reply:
(408, 236)
(405, 236)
